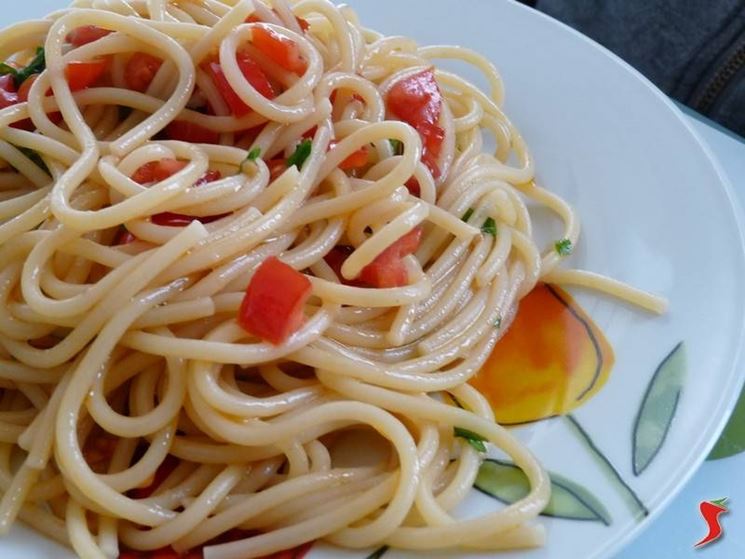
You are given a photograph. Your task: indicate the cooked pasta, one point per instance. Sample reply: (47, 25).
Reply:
(250, 257)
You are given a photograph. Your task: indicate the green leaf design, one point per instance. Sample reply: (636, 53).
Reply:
(732, 440)
(506, 482)
(658, 408)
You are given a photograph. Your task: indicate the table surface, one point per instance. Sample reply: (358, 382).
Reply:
(673, 534)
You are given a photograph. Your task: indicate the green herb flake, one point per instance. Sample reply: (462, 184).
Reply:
(302, 153)
(36, 158)
(489, 227)
(468, 215)
(397, 146)
(474, 439)
(498, 323)
(254, 154)
(6, 69)
(564, 247)
(36, 66)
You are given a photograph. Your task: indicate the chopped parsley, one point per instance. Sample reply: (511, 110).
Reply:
(252, 156)
(498, 323)
(474, 439)
(564, 247)
(489, 227)
(302, 153)
(36, 66)
(397, 146)
(35, 157)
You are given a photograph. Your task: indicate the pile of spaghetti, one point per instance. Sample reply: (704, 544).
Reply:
(250, 256)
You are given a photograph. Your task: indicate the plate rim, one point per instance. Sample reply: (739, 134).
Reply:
(735, 375)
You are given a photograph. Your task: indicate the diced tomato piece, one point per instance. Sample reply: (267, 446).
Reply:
(25, 88)
(209, 176)
(414, 187)
(256, 76)
(276, 168)
(145, 174)
(22, 95)
(388, 269)
(140, 70)
(358, 159)
(303, 23)
(282, 50)
(167, 168)
(417, 99)
(156, 171)
(308, 134)
(163, 553)
(124, 237)
(432, 138)
(8, 93)
(191, 132)
(253, 74)
(170, 219)
(83, 74)
(86, 34)
(273, 306)
(336, 258)
(385, 272)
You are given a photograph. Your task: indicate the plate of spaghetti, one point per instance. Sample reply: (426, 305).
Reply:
(293, 279)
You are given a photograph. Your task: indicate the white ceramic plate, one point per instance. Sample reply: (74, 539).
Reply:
(656, 212)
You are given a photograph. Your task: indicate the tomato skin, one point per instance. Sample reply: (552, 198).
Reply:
(388, 269)
(156, 171)
(124, 237)
(272, 308)
(86, 34)
(190, 132)
(432, 138)
(140, 71)
(417, 100)
(336, 258)
(358, 159)
(8, 94)
(283, 51)
(253, 74)
(83, 74)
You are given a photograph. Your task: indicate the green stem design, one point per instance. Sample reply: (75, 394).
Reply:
(636, 505)
(378, 553)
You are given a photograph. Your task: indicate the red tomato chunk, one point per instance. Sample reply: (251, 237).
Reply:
(283, 51)
(86, 34)
(272, 308)
(417, 100)
(82, 75)
(253, 74)
(140, 71)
